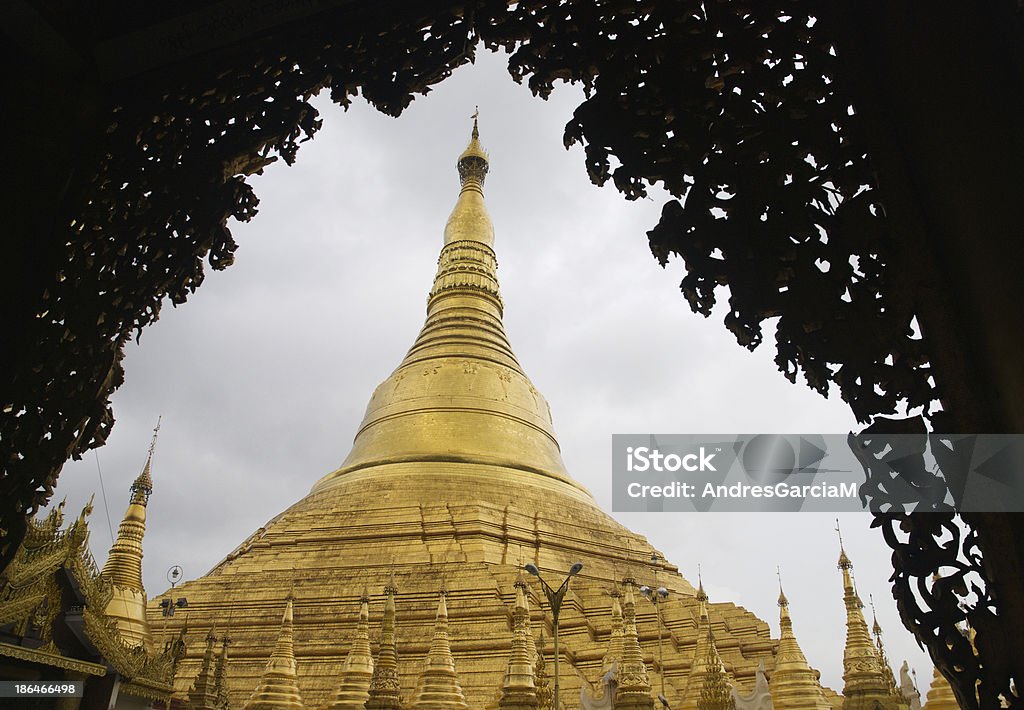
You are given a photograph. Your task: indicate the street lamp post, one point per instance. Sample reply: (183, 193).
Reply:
(654, 596)
(555, 601)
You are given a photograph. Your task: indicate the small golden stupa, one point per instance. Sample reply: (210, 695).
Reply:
(454, 481)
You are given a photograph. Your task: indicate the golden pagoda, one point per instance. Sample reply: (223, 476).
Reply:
(940, 694)
(61, 618)
(634, 691)
(438, 687)
(277, 688)
(794, 684)
(203, 693)
(865, 684)
(715, 691)
(123, 568)
(220, 675)
(519, 689)
(454, 480)
(354, 689)
(616, 640)
(384, 692)
(883, 659)
(703, 650)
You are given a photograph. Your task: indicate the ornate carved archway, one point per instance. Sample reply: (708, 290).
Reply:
(806, 145)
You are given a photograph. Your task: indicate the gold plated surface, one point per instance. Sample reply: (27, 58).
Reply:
(385, 688)
(794, 685)
(864, 682)
(354, 687)
(127, 607)
(634, 691)
(278, 688)
(438, 686)
(459, 397)
(203, 693)
(519, 689)
(52, 602)
(616, 639)
(454, 479)
(940, 694)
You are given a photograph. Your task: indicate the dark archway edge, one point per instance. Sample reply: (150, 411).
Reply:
(151, 186)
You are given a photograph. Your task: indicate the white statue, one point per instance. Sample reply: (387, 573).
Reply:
(603, 698)
(908, 689)
(759, 698)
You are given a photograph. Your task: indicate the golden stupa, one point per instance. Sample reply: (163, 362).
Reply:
(455, 481)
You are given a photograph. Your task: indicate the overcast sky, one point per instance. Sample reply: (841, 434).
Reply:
(263, 376)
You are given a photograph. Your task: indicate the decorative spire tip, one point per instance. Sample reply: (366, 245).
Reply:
(473, 163)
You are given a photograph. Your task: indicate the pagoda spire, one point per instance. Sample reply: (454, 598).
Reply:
(704, 650)
(438, 687)
(864, 682)
(616, 639)
(220, 676)
(384, 692)
(794, 684)
(940, 694)
(203, 693)
(883, 661)
(702, 599)
(123, 568)
(354, 689)
(634, 685)
(715, 690)
(519, 690)
(545, 696)
(278, 687)
(461, 374)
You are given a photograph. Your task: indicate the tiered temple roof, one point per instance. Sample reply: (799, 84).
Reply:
(60, 617)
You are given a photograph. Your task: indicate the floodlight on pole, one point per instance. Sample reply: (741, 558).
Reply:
(655, 596)
(555, 597)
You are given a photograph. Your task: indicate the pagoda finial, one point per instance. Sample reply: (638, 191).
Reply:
(702, 599)
(473, 162)
(844, 561)
(142, 486)
(278, 687)
(782, 595)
